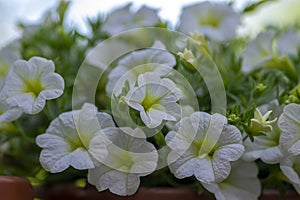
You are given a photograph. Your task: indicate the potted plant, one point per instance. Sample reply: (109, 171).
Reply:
(136, 104)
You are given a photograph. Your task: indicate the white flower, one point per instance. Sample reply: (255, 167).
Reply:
(289, 43)
(203, 146)
(155, 98)
(67, 139)
(289, 123)
(130, 156)
(266, 147)
(138, 62)
(290, 166)
(215, 20)
(258, 51)
(8, 114)
(29, 84)
(8, 55)
(123, 19)
(186, 112)
(242, 183)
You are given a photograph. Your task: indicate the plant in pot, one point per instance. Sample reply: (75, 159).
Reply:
(135, 103)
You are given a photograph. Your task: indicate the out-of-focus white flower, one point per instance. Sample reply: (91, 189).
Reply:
(290, 166)
(8, 55)
(130, 156)
(242, 183)
(29, 84)
(289, 43)
(289, 123)
(67, 139)
(155, 98)
(258, 51)
(123, 19)
(203, 146)
(215, 20)
(138, 62)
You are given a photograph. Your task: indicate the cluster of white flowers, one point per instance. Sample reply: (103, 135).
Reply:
(268, 49)
(199, 144)
(88, 139)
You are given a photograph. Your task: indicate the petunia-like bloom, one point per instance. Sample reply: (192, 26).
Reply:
(242, 183)
(258, 51)
(289, 123)
(290, 166)
(215, 20)
(29, 84)
(8, 55)
(155, 59)
(203, 146)
(266, 147)
(67, 139)
(130, 156)
(155, 99)
(123, 19)
(289, 43)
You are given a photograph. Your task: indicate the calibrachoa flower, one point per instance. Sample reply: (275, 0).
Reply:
(123, 19)
(156, 99)
(266, 147)
(29, 84)
(216, 21)
(130, 156)
(67, 141)
(8, 55)
(258, 51)
(203, 146)
(289, 43)
(138, 62)
(242, 183)
(290, 166)
(289, 123)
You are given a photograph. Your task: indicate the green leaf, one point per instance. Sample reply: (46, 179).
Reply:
(252, 7)
(61, 9)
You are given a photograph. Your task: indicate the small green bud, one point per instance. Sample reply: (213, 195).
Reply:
(260, 88)
(233, 118)
(188, 60)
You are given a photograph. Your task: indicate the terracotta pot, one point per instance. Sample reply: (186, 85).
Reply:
(73, 193)
(15, 188)
(275, 195)
(67, 192)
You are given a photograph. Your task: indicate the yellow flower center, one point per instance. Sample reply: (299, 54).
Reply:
(209, 20)
(33, 86)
